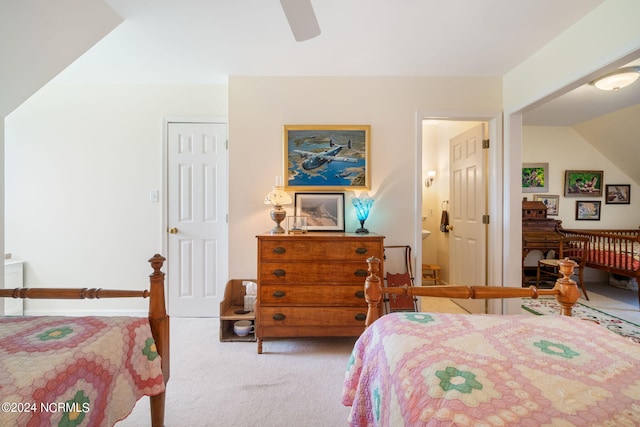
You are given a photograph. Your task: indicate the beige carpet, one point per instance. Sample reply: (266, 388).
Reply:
(294, 383)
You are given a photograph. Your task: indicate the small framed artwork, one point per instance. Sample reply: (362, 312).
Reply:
(588, 210)
(550, 201)
(327, 157)
(324, 211)
(583, 183)
(535, 177)
(618, 194)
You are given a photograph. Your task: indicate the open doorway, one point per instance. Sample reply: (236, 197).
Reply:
(434, 195)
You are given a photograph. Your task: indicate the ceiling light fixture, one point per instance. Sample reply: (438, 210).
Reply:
(617, 79)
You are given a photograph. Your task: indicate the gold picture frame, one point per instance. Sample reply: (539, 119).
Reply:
(327, 157)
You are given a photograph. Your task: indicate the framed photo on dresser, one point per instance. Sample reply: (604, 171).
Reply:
(324, 211)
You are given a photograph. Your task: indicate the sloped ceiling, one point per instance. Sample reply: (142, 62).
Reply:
(617, 137)
(609, 121)
(39, 38)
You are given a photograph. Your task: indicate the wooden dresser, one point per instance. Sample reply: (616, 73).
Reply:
(313, 284)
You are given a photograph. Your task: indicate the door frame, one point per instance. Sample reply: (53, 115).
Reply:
(165, 175)
(495, 186)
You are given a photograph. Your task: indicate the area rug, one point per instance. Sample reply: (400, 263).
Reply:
(550, 306)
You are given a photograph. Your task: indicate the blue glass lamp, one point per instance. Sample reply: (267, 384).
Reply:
(363, 206)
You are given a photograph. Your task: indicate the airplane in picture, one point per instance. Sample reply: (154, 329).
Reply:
(315, 160)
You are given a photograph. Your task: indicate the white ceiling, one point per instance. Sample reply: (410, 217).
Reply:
(583, 104)
(203, 41)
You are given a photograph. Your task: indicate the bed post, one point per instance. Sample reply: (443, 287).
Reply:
(372, 291)
(569, 292)
(159, 322)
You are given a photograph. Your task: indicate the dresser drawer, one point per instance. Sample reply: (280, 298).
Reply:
(319, 295)
(312, 316)
(313, 272)
(318, 249)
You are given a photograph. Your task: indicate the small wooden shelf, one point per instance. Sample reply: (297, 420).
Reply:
(230, 306)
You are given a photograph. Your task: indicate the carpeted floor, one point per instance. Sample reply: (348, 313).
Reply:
(296, 382)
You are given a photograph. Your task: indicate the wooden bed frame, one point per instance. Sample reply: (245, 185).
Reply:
(158, 318)
(609, 242)
(566, 290)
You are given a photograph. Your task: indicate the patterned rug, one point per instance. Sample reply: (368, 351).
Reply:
(614, 324)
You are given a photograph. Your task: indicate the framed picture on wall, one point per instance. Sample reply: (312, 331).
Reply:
(583, 183)
(324, 211)
(327, 157)
(535, 177)
(550, 201)
(618, 194)
(588, 210)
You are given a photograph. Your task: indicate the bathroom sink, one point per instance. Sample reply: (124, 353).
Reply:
(425, 234)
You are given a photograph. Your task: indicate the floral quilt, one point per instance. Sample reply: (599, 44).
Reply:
(75, 371)
(433, 369)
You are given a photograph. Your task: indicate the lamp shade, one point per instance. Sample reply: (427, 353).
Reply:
(617, 79)
(277, 197)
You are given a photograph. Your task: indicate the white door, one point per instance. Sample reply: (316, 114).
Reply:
(468, 204)
(196, 218)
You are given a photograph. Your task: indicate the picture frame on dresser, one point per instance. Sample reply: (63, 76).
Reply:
(327, 157)
(324, 211)
(588, 210)
(617, 194)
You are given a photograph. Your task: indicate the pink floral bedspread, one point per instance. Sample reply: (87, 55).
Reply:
(419, 369)
(75, 371)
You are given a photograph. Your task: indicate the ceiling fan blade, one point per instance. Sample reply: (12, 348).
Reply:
(302, 19)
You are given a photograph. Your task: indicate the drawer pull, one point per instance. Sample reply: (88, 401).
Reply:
(279, 272)
(361, 273)
(281, 294)
(279, 250)
(280, 316)
(361, 317)
(362, 251)
(360, 294)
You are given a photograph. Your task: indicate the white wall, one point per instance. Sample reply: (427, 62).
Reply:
(260, 106)
(564, 149)
(81, 161)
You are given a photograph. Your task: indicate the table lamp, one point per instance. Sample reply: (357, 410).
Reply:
(277, 197)
(363, 206)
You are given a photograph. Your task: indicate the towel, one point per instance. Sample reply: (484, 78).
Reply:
(444, 221)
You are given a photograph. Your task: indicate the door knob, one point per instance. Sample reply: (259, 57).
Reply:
(449, 227)
(173, 230)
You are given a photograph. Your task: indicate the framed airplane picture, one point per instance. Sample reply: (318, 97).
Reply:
(327, 157)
